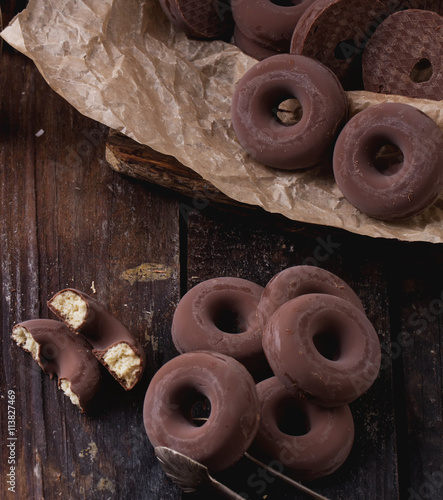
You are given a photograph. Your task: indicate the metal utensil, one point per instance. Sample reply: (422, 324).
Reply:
(188, 474)
(287, 479)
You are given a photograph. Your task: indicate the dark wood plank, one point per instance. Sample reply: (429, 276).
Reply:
(69, 220)
(418, 292)
(222, 245)
(142, 162)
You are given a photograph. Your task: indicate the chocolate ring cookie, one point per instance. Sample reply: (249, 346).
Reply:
(301, 280)
(251, 47)
(403, 186)
(269, 23)
(220, 315)
(203, 19)
(335, 33)
(310, 440)
(322, 348)
(60, 352)
(185, 381)
(268, 84)
(404, 56)
(113, 344)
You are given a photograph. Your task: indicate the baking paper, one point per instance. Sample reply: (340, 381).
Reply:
(121, 63)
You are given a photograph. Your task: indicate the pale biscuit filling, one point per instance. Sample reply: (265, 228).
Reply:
(71, 307)
(65, 386)
(26, 341)
(123, 362)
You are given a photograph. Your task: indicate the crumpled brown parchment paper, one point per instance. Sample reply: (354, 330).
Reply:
(122, 64)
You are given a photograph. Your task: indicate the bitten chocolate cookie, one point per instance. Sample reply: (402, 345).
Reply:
(404, 56)
(402, 186)
(60, 352)
(335, 32)
(199, 18)
(113, 345)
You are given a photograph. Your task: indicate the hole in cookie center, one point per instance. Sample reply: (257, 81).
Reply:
(288, 112)
(286, 3)
(228, 320)
(327, 344)
(292, 420)
(422, 71)
(388, 159)
(345, 49)
(200, 409)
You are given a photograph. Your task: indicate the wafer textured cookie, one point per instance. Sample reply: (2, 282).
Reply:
(404, 56)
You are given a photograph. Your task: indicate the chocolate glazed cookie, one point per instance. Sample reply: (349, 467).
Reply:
(311, 441)
(403, 186)
(220, 315)
(301, 280)
(203, 19)
(404, 56)
(269, 23)
(267, 85)
(322, 348)
(60, 352)
(335, 32)
(185, 381)
(251, 47)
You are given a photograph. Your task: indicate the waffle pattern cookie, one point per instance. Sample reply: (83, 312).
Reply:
(404, 56)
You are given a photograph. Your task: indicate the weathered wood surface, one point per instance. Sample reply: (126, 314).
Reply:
(67, 219)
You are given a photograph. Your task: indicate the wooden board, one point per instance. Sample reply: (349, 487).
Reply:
(68, 219)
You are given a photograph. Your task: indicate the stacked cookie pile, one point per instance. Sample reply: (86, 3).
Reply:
(306, 331)
(386, 162)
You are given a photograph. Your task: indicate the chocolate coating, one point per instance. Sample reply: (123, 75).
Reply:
(268, 23)
(251, 47)
(234, 417)
(220, 315)
(323, 436)
(403, 189)
(335, 32)
(322, 348)
(301, 280)
(66, 355)
(203, 19)
(268, 84)
(406, 40)
(104, 332)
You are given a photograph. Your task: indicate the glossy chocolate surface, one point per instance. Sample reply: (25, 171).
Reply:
(404, 188)
(251, 47)
(66, 355)
(309, 440)
(300, 280)
(103, 331)
(269, 83)
(322, 348)
(220, 315)
(234, 415)
(204, 19)
(268, 23)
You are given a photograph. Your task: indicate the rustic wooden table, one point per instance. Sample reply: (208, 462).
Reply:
(68, 219)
